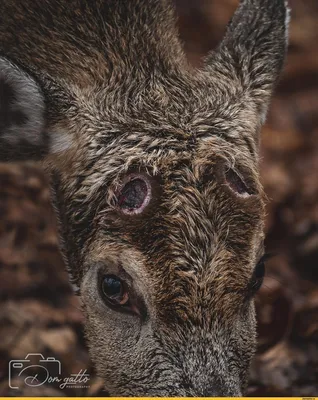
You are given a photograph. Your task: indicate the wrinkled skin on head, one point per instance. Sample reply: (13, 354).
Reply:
(116, 99)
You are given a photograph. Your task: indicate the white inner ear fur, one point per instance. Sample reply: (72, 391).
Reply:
(28, 100)
(287, 20)
(59, 141)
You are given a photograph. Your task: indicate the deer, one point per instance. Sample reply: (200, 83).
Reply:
(153, 166)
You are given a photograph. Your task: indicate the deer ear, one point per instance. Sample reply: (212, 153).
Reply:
(22, 114)
(253, 50)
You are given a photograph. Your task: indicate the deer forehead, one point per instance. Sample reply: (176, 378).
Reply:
(103, 135)
(180, 106)
(192, 236)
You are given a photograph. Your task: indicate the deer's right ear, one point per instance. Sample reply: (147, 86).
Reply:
(22, 114)
(253, 50)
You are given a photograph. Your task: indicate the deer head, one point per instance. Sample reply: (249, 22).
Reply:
(154, 173)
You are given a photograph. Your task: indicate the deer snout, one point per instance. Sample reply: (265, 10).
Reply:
(210, 362)
(215, 389)
(213, 392)
(212, 382)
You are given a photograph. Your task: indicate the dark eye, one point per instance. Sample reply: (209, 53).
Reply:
(236, 183)
(134, 196)
(258, 275)
(114, 290)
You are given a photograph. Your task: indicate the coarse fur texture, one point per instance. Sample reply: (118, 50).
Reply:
(109, 92)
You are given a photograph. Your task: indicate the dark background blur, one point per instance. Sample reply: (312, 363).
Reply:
(38, 312)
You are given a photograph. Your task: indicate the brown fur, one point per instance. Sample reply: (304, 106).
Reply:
(120, 96)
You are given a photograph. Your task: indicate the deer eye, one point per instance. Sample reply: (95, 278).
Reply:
(114, 290)
(134, 196)
(236, 183)
(258, 275)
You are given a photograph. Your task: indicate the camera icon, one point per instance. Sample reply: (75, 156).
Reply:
(35, 370)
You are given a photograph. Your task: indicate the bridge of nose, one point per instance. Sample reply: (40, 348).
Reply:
(216, 390)
(185, 301)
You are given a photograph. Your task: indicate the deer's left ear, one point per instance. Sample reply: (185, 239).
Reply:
(22, 113)
(253, 50)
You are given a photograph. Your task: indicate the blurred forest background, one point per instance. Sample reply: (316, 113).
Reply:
(39, 313)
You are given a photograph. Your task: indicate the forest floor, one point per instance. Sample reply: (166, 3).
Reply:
(37, 308)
